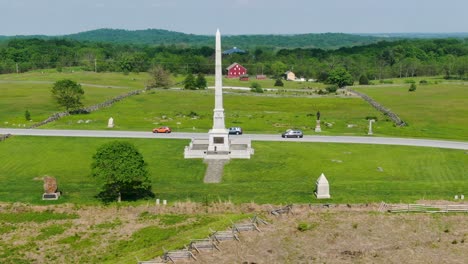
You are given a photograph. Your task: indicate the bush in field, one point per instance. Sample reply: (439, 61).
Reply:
(331, 88)
(363, 80)
(412, 87)
(256, 88)
(200, 82)
(279, 82)
(189, 82)
(27, 115)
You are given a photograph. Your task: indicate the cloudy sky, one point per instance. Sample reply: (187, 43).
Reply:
(58, 17)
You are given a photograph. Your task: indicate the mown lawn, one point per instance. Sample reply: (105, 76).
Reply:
(16, 98)
(193, 111)
(278, 173)
(433, 110)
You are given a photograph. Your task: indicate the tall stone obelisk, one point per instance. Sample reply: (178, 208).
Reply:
(218, 135)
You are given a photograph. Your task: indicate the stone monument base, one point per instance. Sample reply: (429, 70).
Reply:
(50, 196)
(239, 148)
(317, 127)
(323, 196)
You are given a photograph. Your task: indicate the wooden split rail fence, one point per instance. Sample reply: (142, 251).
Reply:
(424, 208)
(175, 255)
(210, 243)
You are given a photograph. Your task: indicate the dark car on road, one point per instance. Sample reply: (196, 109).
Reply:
(292, 133)
(235, 131)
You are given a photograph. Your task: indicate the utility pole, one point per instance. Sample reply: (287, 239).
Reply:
(95, 65)
(17, 69)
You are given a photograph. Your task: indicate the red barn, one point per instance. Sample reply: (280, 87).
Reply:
(235, 70)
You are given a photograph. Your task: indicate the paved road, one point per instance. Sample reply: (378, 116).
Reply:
(254, 137)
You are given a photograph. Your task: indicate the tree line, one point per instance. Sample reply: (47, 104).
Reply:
(385, 59)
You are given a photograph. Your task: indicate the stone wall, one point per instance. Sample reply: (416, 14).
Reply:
(88, 109)
(394, 117)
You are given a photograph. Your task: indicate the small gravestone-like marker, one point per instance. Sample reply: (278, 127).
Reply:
(110, 123)
(51, 191)
(322, 190)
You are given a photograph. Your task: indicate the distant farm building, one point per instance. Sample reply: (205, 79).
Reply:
(261, 77)
(235, 70)
(290, 76)
(233, 50)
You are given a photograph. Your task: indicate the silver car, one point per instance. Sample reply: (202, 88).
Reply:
(292, 133)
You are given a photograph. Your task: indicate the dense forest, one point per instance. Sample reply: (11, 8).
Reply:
(165, 37)
(401, 58)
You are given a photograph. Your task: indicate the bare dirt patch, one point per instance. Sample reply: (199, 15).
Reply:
(310, 234)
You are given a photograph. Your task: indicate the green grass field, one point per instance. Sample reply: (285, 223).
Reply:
(256, 114)
(278, 173)
(433, 111)
(16, 98)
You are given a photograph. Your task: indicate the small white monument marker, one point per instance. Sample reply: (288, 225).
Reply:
(110, 123)
(322, 190)
(370, 127)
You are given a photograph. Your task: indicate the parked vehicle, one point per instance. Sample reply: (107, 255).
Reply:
(163, 129)
(292, 133)
(235, 131)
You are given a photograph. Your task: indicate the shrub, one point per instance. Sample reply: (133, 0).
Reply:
(386, 81)
(256, 87)
(363, 80)
(322, 91)
(412, 87)
(279, 82)
(423, 82)
(331, 88)
(410, 81)
(27, 115)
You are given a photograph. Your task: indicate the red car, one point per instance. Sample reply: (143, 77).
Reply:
(163, 129)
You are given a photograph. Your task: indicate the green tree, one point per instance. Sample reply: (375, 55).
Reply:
(340, 77)
(159, 78)
(412, 87)
(67, 93)
(363, 80)
(27, 115)
(200, 82)
(189, 82)
(279, 82)
(122, 170)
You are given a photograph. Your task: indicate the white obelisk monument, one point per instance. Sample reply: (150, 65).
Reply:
(218, 146)
(218, 135)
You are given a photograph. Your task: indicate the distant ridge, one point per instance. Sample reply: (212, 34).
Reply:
(166, 37)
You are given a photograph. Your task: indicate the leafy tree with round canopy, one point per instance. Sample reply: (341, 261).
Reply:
(67, 93)
(340, 77)
(160, 78)
(122, 170)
